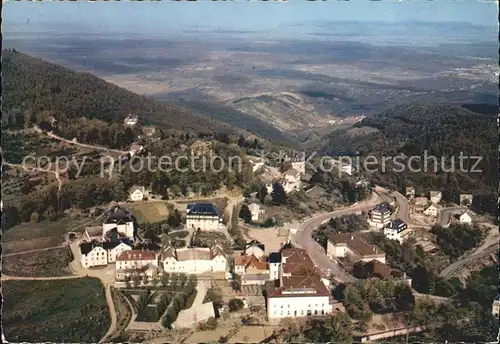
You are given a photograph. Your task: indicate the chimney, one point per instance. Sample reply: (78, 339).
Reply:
(352, 237)
(374, 248)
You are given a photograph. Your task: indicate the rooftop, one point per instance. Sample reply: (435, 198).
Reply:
(298, 286)
(119, 214)
(356, 243)
(398, 225)
(382, 208)
(194, 254)
(207, 209)
(274, 257)
(378, 269)
(136, 255)
(136, 187)
(250, 261)
(296, 261)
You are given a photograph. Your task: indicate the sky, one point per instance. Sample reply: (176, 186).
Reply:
(167, 17)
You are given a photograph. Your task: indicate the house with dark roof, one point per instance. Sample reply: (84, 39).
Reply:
(396, 230)
(380, 215)
(203, 216)
(93, 254)
(102, 253)
(115, 248)
(122, 220)
(274, 261)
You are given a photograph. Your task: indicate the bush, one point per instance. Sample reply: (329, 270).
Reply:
(235, 305)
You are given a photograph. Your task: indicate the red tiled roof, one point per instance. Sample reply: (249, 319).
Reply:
(356, 244)
(299, 286)
(296, 261)
(379, 269)
(250, 261)
(133, 255)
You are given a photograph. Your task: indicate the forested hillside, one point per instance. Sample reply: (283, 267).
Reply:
(236, 119)
(31, 86)
(443, 131)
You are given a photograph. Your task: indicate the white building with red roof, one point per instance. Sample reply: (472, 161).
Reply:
(135, 261)
(298, 296)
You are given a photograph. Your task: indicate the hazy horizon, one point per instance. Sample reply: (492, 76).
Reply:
(291, 20)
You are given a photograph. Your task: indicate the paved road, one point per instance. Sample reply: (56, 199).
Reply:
(304, 240)
(32, 251)
(450, 270)
(403, 208)
(446, 213)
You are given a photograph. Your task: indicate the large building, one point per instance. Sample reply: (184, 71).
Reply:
(196, 260)
(380, 216)
(296, 296)
(135, 261)
(351, 246)
(103, 253)
(122, 220)
(396, 230)
(295, 289)
(92, 254)
(203, 216)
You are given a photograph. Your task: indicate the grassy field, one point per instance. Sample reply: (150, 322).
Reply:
(72, 310)
(38, 264)
(31, 244)
(32, 230)
(149, 212)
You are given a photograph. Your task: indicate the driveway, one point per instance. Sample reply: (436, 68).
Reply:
(199, 311)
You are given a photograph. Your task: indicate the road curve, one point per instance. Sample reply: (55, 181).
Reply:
(303, 238)
(450, 270)
(403, 208)
(446, 213)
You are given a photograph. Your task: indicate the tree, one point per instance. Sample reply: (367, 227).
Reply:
(245, 214)
(278, 194)
(165, 278)
(174, 219)
(241, 141)
(235, 305)
(263, 193)
(155, 281)
(334, 329)
(136, 280)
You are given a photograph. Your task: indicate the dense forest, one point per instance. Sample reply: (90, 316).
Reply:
(31, 86)
(236, 119)
(443, 131)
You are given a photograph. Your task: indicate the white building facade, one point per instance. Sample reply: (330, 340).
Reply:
(203, 216)
(97, 256)
(194, 260)
(137, 193)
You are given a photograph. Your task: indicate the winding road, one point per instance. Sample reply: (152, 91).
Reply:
(450, 270)
(446, 213)
(303, 238)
